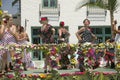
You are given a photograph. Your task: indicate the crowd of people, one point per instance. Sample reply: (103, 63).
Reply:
(10, 33)
(84, 34)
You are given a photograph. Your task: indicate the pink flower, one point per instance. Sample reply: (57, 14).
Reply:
(35, 76)
(23, 75)
(79, 73)
(10, 76)
(108, 73)
(20, 70)
(65, 74)
(96, 73)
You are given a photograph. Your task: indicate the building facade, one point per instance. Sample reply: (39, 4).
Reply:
(64, 10)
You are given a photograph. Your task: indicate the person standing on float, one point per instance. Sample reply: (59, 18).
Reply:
(63, 35)
(47, 33)
(23, 39)
(84, 34)
(9, 38)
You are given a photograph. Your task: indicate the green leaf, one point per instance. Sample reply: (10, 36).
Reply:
(95, 77)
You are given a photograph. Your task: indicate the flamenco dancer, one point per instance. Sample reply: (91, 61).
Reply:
(47, 34)
(84, 34)
(63, 35)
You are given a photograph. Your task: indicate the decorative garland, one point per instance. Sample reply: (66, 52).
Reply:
(66, 76)
(56, 48)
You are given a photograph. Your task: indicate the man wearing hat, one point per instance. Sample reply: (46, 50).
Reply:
(47, 34)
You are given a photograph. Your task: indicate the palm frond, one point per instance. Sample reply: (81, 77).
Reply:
(108, 4)
(105, 4)
(102, 4)
(114, 5)
(85, 3)
(14, 2)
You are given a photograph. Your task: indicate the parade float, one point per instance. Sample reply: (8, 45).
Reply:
(88, 74)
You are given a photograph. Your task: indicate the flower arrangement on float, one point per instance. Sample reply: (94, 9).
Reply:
(55, 49)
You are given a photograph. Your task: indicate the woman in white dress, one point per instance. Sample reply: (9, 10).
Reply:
(23, 39)
(8, 38)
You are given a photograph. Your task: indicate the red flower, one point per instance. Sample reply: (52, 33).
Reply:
(1, 75)
(10, 76)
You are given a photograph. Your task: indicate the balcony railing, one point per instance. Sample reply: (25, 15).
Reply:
(96, 13)
(52, 13)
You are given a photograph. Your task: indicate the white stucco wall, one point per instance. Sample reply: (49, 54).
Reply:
(72, 18)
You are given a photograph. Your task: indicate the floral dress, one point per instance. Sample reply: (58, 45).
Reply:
(86, 36)
(47, 35)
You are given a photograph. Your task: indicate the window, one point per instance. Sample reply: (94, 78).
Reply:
(97, 30)
(50, 3)
(107, 30)
(36, 55)
(39, 55)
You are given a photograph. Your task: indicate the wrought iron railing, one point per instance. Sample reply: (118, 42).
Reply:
(96, 13)
(52, 13)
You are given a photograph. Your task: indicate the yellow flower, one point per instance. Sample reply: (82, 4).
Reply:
(97, 50)
(42, 75)
(12, 58)
(29, 75)
(118, 65)
(85, 52)
(118, 46)
(71, 45)
(49, 76)
(48, 53)
(101, 44)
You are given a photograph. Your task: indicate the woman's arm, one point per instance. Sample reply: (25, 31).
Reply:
(59, 33)
(79, 31)
(114, 28)
(53, 30)
(94, 37)
(26, 37)
(68, 35)
(2, 29)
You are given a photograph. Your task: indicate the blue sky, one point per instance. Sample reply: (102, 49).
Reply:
(7, 6)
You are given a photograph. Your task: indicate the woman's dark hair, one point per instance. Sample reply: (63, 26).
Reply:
(87, 20)
(115, 21)
(21, 29)
(119, 27)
